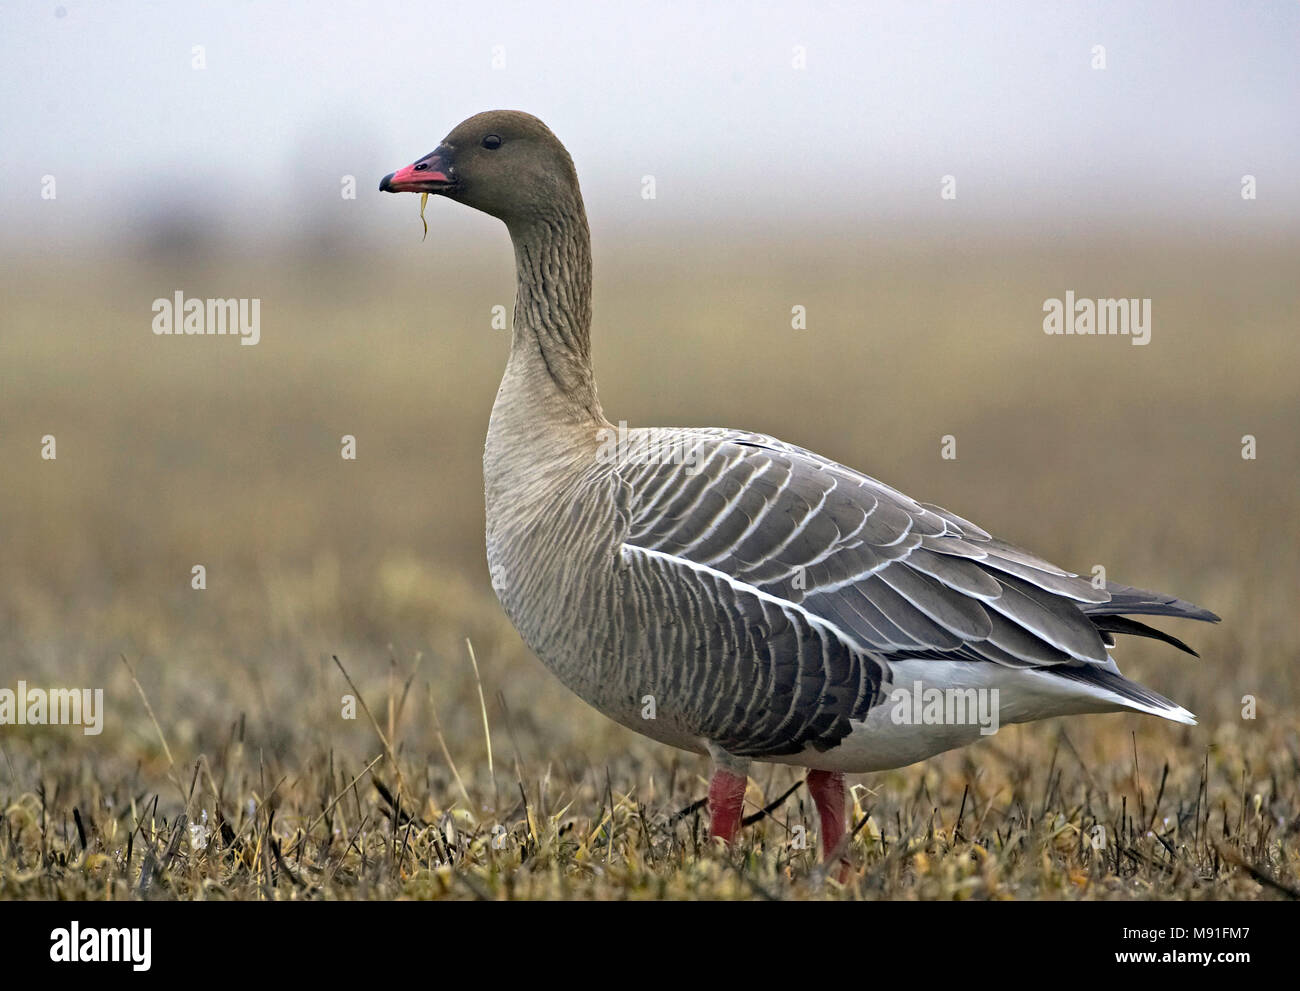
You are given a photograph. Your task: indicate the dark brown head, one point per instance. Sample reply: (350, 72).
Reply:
(503, 162)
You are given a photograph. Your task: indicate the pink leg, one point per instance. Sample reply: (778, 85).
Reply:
(828, 793)
(726, 799)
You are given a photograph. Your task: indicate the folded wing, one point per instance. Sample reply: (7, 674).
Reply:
(892, 577)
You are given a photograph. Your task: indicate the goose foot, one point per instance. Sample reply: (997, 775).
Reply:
(726, 800)
(829, 795)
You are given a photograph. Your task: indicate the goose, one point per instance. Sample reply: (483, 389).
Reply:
(729, 594)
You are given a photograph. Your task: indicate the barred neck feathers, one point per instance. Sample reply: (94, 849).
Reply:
(549, 374)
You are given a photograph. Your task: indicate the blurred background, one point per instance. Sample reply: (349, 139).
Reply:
(798, 158)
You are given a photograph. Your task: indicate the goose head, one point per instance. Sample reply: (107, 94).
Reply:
(506, 163)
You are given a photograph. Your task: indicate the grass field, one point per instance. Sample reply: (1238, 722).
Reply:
(226, 768)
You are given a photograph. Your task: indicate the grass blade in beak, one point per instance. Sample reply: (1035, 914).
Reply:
(424, 198)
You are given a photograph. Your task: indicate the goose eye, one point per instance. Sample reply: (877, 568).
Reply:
(492, 142)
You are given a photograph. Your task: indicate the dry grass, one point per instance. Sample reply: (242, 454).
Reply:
(173, 453)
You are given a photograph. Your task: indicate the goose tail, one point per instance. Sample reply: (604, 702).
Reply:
(1130, 601)
(1112, 686)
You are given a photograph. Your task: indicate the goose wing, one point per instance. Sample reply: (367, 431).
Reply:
(894, 576)
(845, 557)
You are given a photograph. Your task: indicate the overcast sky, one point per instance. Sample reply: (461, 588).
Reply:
(295, 95)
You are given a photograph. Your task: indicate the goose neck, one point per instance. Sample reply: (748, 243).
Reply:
(550, 358)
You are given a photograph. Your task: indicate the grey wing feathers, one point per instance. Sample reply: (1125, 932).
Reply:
(898, 577)
(801, 686)
(834, 549)
(1136, 601)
